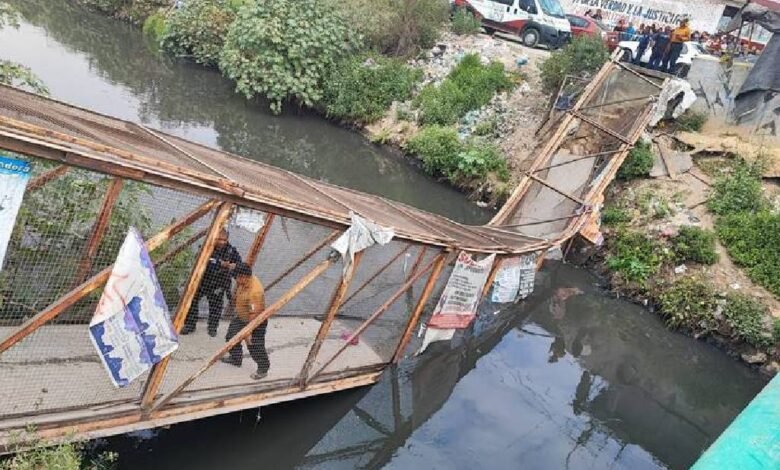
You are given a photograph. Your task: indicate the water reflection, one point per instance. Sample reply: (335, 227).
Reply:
(108, 66)
(567, 379)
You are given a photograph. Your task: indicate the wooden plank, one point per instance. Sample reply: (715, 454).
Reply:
(333, 235)
(96, 281)
(185, 301)
(99, 229)
(376, 274)
(336, 302)
(259, 241)
(439, 263)
(42, 180)
(247, 330)
(377, 313)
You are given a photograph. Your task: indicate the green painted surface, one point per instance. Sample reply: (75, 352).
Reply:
(752, 441)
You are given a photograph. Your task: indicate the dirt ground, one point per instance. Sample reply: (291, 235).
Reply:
(517, 114)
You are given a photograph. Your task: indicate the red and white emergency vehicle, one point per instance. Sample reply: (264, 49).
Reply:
(537, 22)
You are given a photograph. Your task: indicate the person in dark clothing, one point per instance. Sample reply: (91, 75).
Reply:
(644, 42)
(660, 47)
(250, 302)
(215, 284)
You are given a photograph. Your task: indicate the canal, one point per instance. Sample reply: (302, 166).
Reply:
(570, 378)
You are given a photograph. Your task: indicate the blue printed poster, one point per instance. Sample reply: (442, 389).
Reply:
(132, 328)
(14, 175)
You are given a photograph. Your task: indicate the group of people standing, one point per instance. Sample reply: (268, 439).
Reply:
(248, 300)
(665, 43)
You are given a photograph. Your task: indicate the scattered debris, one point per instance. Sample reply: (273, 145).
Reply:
(681, 269)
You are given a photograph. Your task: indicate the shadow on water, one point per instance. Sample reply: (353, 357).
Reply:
(568, 378)
(108, 66)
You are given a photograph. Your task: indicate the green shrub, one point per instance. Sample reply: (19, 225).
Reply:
(68, 456)
(284, 49)
(738, 192)
(361, 88)
(442, 153)
(464, 22)
(635, 256)
(469, 86)
(154, 27)
(487, 127)
(690, 303)
(753, 242)
(638, 163)
(396, 27)
(695, 244)
(745, 316)
(613, 216)
(691, 121)
(198, 29)
(582, 58)
(135, 11)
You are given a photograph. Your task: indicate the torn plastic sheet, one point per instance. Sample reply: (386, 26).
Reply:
(672, 89)
(359, 236)
(249, 220)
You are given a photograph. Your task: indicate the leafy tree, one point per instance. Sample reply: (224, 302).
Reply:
(284, 49)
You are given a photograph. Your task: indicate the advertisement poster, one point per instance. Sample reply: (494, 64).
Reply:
(515, 279)
(132, 328)
(458, 303)
(14, 175)
(705, 15)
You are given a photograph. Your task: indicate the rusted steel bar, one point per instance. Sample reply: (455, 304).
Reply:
(259, 241)
(99, 229)
(417, 261)
(615, 103)
(247, 330)
(559, 191)
(491, 277)
(584, 157)
(630, 70)
(88, 286)
(388, 303)
(600, 127)
(335, 234)
(335, 303)
(376, 274)
(182, 310)
(42, 180)
(545, 221)
(174, 252)
(438, 265)
(181, 150)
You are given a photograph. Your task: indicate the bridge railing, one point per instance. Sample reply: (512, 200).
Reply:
(325, 325)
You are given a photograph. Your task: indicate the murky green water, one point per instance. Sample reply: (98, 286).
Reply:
(568, 379)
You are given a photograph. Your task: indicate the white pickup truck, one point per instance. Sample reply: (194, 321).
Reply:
(689, 52)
